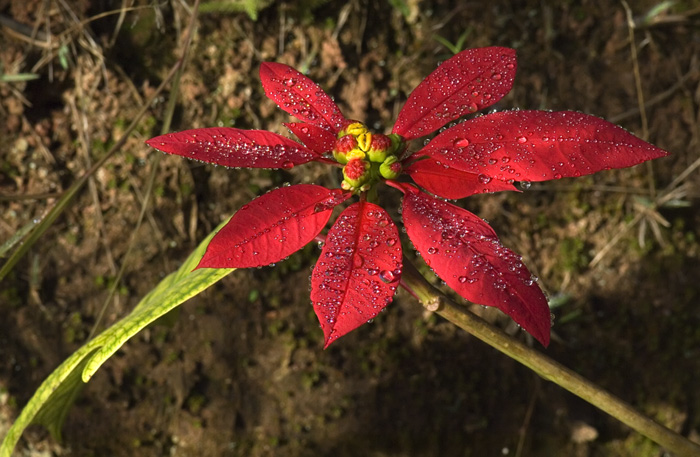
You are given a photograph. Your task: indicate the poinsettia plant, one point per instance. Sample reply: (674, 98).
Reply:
(361, 261)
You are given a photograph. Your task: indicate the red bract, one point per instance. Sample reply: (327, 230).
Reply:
(358, 271)
(361, 261)
(272, 226)
(465, 251)
(468, 82)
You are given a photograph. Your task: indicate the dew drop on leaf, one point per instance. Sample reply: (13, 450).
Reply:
(483, 179)
(387, 276)
(461, 142)
(358, 261)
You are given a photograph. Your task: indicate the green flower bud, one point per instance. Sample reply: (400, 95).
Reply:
(356, 173)
(379, 148)
(342, 147)
(391, 168)
(397, 144)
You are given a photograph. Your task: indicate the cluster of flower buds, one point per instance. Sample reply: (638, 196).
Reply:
(368, 157)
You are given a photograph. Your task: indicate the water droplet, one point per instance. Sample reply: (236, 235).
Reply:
(387, 276)
(391, 242)
(288, 165)
(432, 250)
(522, 140)
(462, 279)
(461, 142)
(483, 179)
(289, 82)
(496, 76)
(557, 176)
(358, 261)
(304, 130)
(525, 185)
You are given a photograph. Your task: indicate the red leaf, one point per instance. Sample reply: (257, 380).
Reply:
(447, 182)
(358, 271)
(315, 138)
(232, 147)
(272, 226)
(300, 96)
(467, 82)
(466, 253)
(538, 146)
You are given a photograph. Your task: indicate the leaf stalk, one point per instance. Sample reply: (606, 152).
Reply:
(435, 301)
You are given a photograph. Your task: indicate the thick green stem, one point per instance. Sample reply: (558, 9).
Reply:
(547, 368)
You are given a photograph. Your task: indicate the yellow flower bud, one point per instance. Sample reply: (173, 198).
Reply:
(355, 154)
(356, 129)
(364, 141)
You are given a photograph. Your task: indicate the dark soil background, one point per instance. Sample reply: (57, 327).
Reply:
(240, 370)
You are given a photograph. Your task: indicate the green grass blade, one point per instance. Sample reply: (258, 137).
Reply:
(21, 77)
(55, 396)
(17, 237)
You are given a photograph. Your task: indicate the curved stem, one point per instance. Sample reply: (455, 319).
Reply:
(547, 368)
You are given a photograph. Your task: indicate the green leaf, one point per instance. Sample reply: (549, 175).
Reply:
(54, 398)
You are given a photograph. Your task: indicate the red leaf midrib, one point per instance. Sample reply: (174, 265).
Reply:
(347, 290)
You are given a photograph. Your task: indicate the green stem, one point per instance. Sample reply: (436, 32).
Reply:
(547, 368)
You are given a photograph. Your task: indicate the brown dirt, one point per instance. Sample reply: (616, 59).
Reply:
(240, 370)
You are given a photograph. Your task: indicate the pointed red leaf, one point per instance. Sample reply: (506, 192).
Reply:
(315, 138)
(467, 82)
(358, 271)
(272, 226)
(451, 183)
(466, 253)
(538, 146)
(300, 96)
(233, 147)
